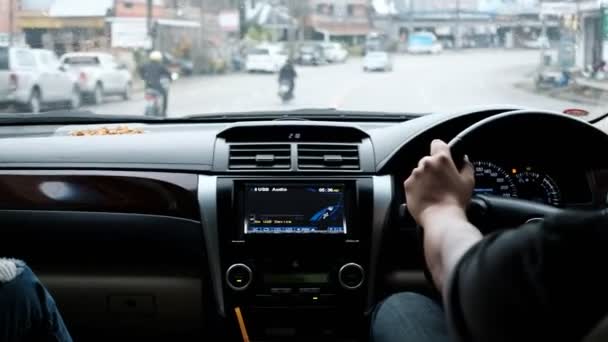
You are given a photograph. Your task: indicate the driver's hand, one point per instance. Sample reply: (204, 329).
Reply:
(437, 187)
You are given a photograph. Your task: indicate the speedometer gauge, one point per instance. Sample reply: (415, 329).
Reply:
(537, 187)
(491, 179)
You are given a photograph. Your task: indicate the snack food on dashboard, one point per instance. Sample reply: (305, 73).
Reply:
(119, 130)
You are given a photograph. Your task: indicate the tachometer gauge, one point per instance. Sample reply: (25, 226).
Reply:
(538, 187)
(491, 179)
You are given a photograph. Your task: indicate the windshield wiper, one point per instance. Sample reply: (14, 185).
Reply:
(328, 114)
(598, 119)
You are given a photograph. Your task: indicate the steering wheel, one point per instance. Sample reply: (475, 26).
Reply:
(492, 212)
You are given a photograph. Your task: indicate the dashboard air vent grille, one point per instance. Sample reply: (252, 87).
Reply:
(259, 156)
(328, 157)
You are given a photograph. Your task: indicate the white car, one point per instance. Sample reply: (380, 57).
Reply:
(32, 79)
(542, 42)
(99, 75)
(377, 60)
(266, 58)
(335, 52)
(424, 43)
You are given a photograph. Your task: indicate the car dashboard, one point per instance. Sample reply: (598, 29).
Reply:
(296, 225)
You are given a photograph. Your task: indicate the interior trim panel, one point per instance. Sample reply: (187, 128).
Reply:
(155, 193)
(207, 197)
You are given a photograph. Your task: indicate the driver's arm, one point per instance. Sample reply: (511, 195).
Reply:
(437, 194)
(540, 282)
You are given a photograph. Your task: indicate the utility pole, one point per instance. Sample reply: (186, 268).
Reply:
(201, 32)
(458, 35)
(149, 8)
(11, 22)
(200, 57)
(410, 12)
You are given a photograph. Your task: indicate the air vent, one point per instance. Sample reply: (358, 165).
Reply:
(328, 157)
(259, 156)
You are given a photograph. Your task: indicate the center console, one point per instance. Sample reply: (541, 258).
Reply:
(294, 253)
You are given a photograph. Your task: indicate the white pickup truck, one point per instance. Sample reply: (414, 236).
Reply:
(99, 75)
(32, 79)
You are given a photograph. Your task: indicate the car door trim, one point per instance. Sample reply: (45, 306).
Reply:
(207, 199)
(383, 198)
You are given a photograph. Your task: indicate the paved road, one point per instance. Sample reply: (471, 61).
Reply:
(450, 81)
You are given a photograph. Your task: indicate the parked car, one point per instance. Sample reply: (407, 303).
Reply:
(377, 60)
(99, 75)
(311, 54)
(266, 58)
(424, 43)
(542, 42)
(33, 79)
(335, 52)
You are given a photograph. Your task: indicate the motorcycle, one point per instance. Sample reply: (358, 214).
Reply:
(154, 100)
(284, 86)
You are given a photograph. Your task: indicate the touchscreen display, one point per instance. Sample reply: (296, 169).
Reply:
(294, 209)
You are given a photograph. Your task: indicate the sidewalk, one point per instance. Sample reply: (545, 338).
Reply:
(599, 85)
(583, 91)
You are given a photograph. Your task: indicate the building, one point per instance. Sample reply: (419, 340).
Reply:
(584, 22)
(345, 20)
(138, 8)
(128, 24)
(194, 30)
(65, 25)
(422, 6)
(465, 23)
(583, 28)
(9, 30)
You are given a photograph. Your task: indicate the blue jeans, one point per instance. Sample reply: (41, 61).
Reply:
(27, 310)
(407, 316)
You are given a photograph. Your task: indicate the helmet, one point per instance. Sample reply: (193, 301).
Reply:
(156, 56)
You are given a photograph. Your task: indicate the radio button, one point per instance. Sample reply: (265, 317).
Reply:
(238, 277)
(310, 290)
(351, 276)
(281, 290)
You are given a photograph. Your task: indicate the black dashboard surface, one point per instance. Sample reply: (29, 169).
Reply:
(385, 148)
(191, 147)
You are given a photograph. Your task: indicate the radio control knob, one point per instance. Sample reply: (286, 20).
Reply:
(351, 276)
(238, 277)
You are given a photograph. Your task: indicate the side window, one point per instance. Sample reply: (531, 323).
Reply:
(4, 58)
(25, 59)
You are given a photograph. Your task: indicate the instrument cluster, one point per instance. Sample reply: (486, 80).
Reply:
(523, 182)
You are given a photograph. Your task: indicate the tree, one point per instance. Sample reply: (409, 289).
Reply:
(299, 10)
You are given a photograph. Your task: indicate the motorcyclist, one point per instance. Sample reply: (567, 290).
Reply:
(288, 74)
(153, 73)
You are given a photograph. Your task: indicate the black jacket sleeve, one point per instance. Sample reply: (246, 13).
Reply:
(540, 282)
(165, 72)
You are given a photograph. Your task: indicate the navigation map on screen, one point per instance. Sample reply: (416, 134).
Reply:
(294, 209)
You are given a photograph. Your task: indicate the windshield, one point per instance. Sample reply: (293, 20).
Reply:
(81, 60)
(423, 39)
(226, 56)
(3, 58)
(259, 52)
